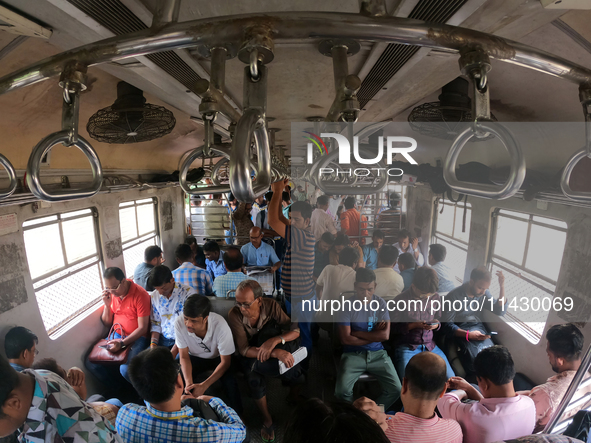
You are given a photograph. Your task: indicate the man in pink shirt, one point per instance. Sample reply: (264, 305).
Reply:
(496, 414)
(564, 347)
(425, 382)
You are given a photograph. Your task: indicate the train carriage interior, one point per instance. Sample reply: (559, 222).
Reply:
(130, 126)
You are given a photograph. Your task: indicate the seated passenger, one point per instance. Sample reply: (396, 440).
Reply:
(389, 283)
(564, 347)
(188, 274)
(166, 417)
(321, 253)
(407, 243)
(370, 252)
(362, 333)
(466, 326)
(198, 255)
(214, 259)
(259, 253)
(406, 265)
(317, 422)
(436, 257)
(498, 413)
(20, 346)
(342, 241)
(340, 278)
(424, 383)
(168, 300)
(233, 262)
(152, 257)
(45, 408)
(205, 343)
(128, 306)
(264, 335)
(320, 221)
(412, 328)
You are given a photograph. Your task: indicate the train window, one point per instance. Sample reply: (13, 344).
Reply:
(139, 229)
(528, 249)
(453, 233)
(65, 265)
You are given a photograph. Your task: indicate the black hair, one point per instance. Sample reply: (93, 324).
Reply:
(233, 259)
(480, 273)
(218, 197)
(378, 234)
(211, 246)
(114, 272)
(438, 252)
(407, 260)
(153, 374)
(18, 340)
(303, 208)
(322, 200)
(394, 199)
(341, 239)
(196, 306)
(327, 238)
(285, 196)
(403, 233)
(183, 252)
(566, 341)
(349, 202)
(426, 375)
(159, 275)
(388, 255)
(50, 364)
(348, 256)
(426, 280)
(314, 421)
(151, 253)
(495, 364)
(190, 240)
(230, 196)
(8, 382)
(364, 275)
(268, 196)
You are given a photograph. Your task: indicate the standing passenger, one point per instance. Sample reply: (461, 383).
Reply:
(353, 223)
(320, 221)
(242, 223)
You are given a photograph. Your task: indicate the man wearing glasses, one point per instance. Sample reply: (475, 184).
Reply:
(127, 306)
(259, 253)
(205, 343)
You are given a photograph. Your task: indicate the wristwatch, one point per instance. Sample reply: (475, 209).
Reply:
(123, 345)
(282, 340)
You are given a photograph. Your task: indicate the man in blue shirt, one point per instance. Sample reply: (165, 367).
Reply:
(156, 377)
(436, 257)
(214, 262)
(362, 328)
(407, 266)
(259, 253)
(370, 252)
(152, 257)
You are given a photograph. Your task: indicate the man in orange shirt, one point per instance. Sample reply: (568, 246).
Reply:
(350, 220)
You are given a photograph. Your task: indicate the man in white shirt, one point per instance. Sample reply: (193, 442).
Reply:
(407, 243)
(335, 279)
(389, 283)
(320, 221)
(437, 254)
(333, 205)
(205, 343)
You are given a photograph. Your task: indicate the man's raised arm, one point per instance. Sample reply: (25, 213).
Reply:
(276, 219)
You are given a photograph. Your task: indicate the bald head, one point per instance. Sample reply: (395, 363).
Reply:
(426, 375)
(256, 236)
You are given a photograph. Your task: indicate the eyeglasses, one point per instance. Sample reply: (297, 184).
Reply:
(36, 352)
(115, 289)
(245, 305)
(204, 346)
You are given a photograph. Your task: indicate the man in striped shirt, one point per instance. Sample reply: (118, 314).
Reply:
(425, 382)
(297, 276)
(188, 274)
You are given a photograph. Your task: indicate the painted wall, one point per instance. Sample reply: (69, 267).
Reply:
(18, 305)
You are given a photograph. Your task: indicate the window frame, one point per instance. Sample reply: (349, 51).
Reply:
(128, 244)
(64, 323)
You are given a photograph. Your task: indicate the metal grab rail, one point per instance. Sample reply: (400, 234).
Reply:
(11, 176)
(298, 25)
(251, 123)
(194, 155)
(516, 172)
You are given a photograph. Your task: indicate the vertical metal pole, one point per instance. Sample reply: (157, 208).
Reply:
(167, 11)
(340, 67)
(218, 68)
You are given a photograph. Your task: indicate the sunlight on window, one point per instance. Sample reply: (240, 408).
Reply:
(138, 223)
(37, 242)
(511, 239)
(544, 255)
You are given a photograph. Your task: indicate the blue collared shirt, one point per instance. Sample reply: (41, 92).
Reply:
(263, 256)
(446, 280)
(216, 268)
(370, 256)
(196, 278)
(17, 367)
(144, 424)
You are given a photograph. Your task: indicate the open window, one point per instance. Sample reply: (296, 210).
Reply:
(528, 249)
(452, 230)
(139, 229)
(65, 265)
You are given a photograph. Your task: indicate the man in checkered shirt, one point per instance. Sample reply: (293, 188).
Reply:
(233, 261)
(188, 274)
(166, 417)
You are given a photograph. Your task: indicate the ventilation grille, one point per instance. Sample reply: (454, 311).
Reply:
(117, 18)
(396, 55)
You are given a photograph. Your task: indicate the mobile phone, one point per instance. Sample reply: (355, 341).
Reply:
(104, 346)
(432, 323)
(492, 333)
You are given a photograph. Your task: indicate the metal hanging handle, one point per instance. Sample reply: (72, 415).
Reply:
(11, 176)
(194, 155)
(516, 172)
